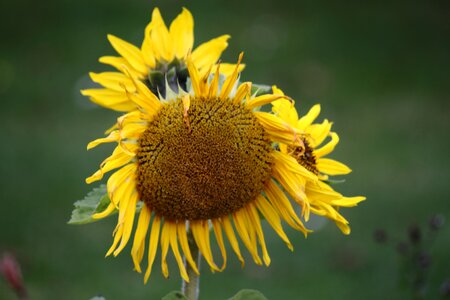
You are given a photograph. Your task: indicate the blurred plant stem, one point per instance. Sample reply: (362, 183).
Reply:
(191, 289)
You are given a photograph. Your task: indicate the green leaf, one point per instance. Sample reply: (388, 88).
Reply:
(248, 294)
(94, 202)
(174, 295)
(261, 89)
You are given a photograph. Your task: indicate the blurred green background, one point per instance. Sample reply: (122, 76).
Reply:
(380, 69)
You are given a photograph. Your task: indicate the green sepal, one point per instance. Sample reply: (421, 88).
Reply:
(247, 294)
(334, 181)
(94, 202)
(174, 295)
(260, 89)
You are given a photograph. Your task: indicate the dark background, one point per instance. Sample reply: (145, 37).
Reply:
(380, 69)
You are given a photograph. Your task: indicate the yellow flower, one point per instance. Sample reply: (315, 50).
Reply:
(203, 162)
(323, 200)
(161, 58)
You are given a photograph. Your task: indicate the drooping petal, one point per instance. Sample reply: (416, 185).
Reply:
(137, 250)
(153, 246)
(228, 228)
(200, 232)
(255, 222)
(176, 252)
(219, 237)
(165, 248)
(272, 218)
(240, 218)
(329, 147)
(182, 235)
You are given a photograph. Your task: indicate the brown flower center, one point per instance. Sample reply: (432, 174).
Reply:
(203, 166)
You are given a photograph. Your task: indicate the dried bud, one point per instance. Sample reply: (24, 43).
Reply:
(415, 234)
(10, 270)
(445, 289)
(402, 248)
(424, 260)
(380, 236)
(436, 222)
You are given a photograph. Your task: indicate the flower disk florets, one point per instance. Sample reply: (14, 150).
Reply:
(203, 164)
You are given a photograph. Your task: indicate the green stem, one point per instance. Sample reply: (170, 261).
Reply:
(191, 289)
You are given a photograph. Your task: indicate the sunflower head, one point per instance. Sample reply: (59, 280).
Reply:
(317, 142)
(197, 155)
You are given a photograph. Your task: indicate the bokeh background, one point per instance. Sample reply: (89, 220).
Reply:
(380, 69)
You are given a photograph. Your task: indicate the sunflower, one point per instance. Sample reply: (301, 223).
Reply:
(160, 60)
(322, 199)
(198, 163)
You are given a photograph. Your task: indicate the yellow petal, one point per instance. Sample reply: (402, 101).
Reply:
(309, 117)
(329, 147)
(195, 77)
(131, 53)
(318, 133)
(117, 236)
(285, 109)
(278, 129)
(112, 137)
(242, 92)
(200, 232)
(110, 99)
(240, 218)
(139, 237)
(289, 163)
(176, 252)
(272, 218)
(182, 236)
(113, 80)
(116, 160)
(228, 69)
(109, 210)
(332, 167)
(263, 99)
(219, 238)
(254, 219)
(164, 248)
(214, 85)
(128, 221)
(209, 53)
(348, 201)
(231, 80)
(279, 200)
(161, 41)
(120, 63)
(153, 246)
(147, 47)
(120, 177)
(182, 33)
(228, 228)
